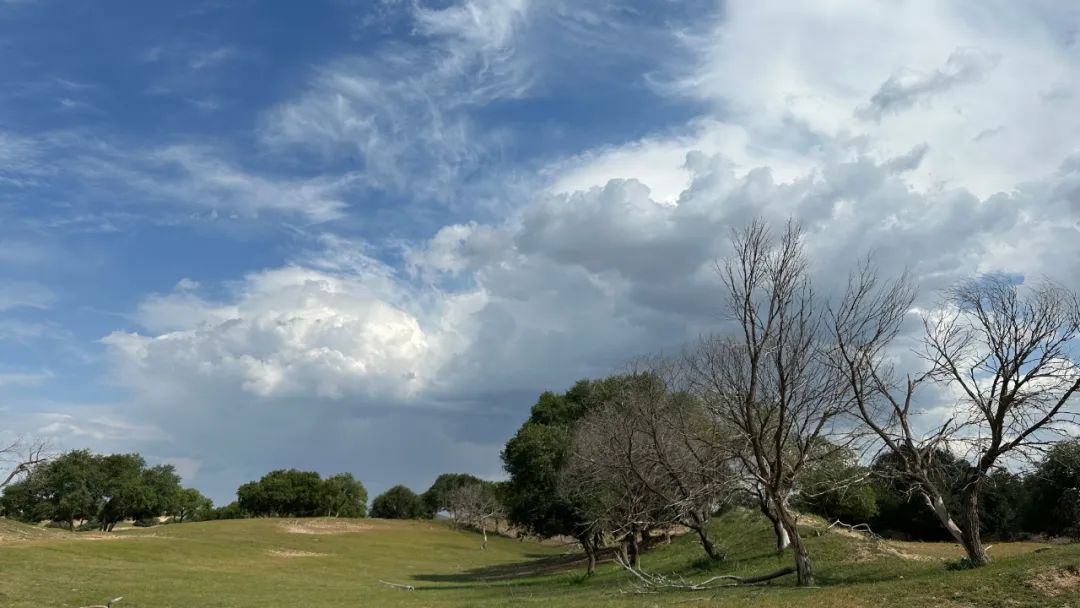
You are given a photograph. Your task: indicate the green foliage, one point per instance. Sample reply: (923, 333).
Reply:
(535, 455)
(103, 489)
(79, 485)
(343, 496)
(229, 511)
(398, 502)
(837, 487)
(294, 493)
(1054, 492)
(191, 505)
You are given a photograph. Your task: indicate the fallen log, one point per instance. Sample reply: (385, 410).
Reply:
(651, 583)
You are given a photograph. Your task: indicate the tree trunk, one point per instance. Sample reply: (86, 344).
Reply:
(633, 550)
(972, 536)
(590, 553)
(698, 525)
(804, 570)
(483, 545)
(782, 538)
(937, 505)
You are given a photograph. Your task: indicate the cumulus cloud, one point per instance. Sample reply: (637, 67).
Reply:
(286, 332)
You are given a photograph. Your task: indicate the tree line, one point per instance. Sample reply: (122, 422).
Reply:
(79, 490)
(100, 491)
(799, 404)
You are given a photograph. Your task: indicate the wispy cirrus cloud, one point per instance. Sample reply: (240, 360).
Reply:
(405, 112)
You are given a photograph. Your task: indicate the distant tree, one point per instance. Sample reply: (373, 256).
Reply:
(476, 505)
(191, 505)
(73, 487)
(343, 496)
(1054, 492)
(399, 502)
(838, 488)
(131, 490)
(902, 511)
(229, 511)
(79, 485)
(437, 497)
(283, 493)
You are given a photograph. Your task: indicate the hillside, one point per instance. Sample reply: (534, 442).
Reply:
(322, 563)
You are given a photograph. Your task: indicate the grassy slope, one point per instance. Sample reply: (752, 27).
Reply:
(255, 563)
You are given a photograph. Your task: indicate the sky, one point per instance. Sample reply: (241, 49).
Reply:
(365, 235)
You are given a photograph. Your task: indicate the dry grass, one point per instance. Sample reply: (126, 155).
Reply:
(1056, 581)
(326, 526)
(294, 553)
(947, 551)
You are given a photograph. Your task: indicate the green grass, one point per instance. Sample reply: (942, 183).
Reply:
(265, 562)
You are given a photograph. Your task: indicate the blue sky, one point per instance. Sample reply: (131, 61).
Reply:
(364, 235)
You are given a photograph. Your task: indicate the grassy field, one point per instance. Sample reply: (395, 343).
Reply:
(326, 563)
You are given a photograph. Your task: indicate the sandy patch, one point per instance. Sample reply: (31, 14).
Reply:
(1056, 581)
(293, 553)
(326, 526)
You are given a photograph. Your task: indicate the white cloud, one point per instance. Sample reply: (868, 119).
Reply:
(25, 294)
(23, 378)
(288, 332)
(198, 177)
(405, 111)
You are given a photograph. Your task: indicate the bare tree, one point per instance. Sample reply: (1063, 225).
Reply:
(475, 505)
(1006, 352)
(596, 476)
(771, 383)
(864, 324)
(19, 457)
(655, 440)
(1011, 354)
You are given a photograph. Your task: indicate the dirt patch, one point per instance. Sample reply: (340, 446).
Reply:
(325, 526)
(1056, 581)
(293, 553)
(869, 550)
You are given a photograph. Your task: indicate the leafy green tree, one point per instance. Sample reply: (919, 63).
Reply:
(73, 487)
(343, 496)
(23, 500)
(398, 502)
(1054, 492)
(133, 490)
(282, 493)
(191, 505)
(79, 485)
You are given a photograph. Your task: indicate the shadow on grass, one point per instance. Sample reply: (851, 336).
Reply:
(539, 566)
